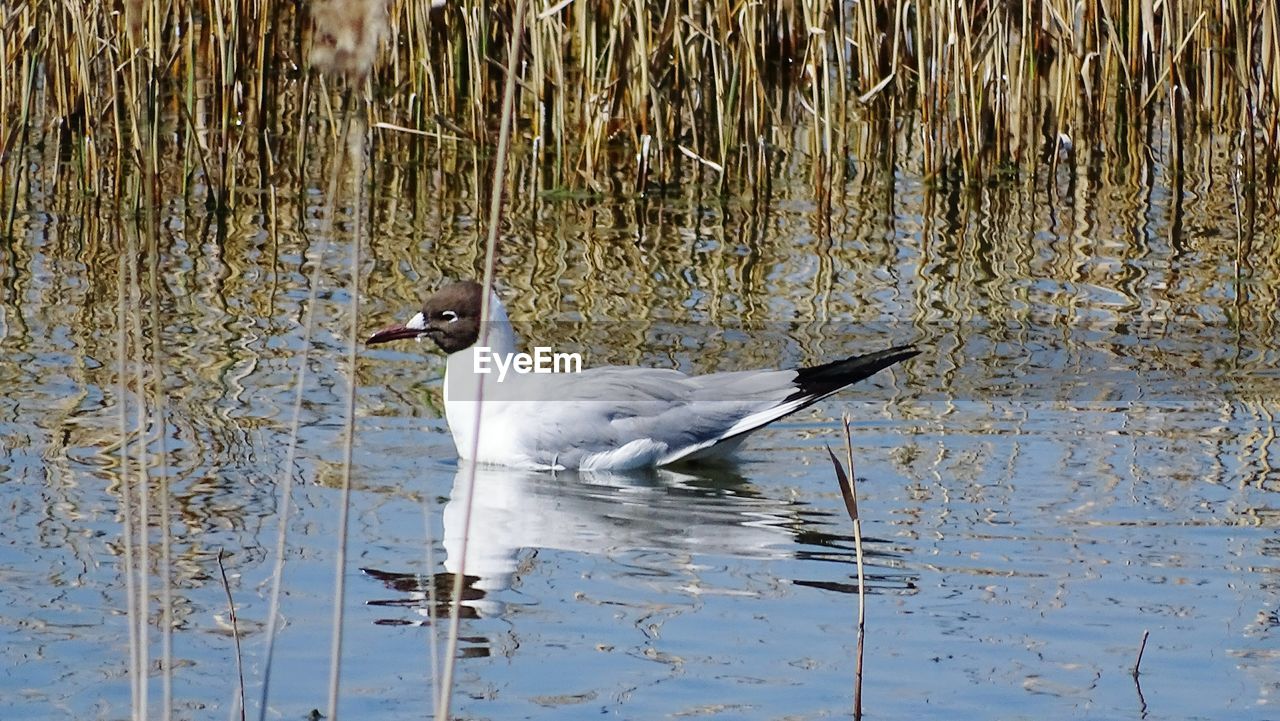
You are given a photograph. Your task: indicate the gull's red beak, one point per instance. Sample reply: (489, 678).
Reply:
(393, 332)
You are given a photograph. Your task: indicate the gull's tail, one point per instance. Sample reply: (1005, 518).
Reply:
(818, 382)
(812, 385)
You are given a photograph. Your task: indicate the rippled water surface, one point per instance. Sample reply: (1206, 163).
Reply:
(1084, 451)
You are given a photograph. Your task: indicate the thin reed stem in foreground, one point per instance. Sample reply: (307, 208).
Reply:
(142, 483)
(159, 410)
(133, 610)
(490, 259)
(235, 632)
(356, 152)
(848, 490)
(285, 482)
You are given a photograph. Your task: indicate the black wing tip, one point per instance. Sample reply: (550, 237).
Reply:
(904, 351)
(818, 381)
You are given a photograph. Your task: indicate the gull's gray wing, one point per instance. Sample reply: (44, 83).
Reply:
(654, 414)
(621, 416)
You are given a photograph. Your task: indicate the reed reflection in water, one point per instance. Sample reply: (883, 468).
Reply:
(1088, 450)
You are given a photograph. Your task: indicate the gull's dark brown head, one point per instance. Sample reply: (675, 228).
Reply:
(450, 317)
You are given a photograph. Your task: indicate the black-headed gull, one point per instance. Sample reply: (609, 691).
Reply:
(613, 417)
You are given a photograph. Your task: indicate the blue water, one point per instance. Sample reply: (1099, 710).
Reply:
(1084, 452)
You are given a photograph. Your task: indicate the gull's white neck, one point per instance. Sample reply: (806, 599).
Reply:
(463, 386)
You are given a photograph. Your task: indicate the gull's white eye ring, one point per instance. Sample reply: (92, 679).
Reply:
(449, 316)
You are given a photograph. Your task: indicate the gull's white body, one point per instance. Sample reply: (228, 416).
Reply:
(610, 418)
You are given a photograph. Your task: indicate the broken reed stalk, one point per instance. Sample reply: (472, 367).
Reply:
(235, 631)
(848, 491)
(1142, 648)
(490, 258)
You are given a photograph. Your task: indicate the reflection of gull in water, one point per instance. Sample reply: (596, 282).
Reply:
(608, 513)
(682, 517)
(714, 513)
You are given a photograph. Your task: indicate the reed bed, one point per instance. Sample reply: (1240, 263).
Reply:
(134, 105)
(632, 97)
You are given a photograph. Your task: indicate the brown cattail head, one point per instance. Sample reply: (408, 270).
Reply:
(135, 19)
(347, 34)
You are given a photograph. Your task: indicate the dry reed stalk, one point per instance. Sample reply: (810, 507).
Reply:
(13, 143)
(346, 41)
(285, 482)
(1142, 648)
(351, 131)
(142, 483)
(134, 611)
(433, 600)
(848, 492)
(490, 261)
(143, 32)
(235, 634)
(159, 412)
